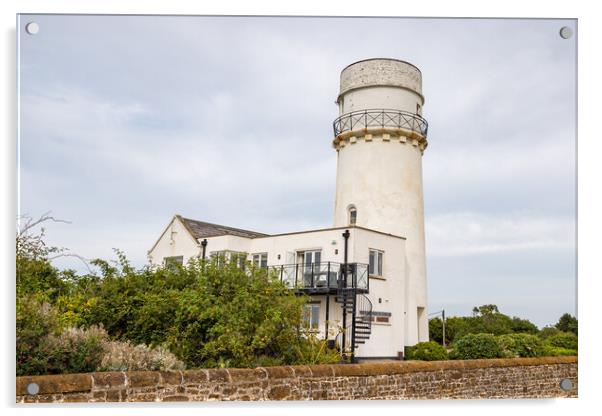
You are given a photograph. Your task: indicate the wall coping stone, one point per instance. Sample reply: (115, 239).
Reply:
(70, 383)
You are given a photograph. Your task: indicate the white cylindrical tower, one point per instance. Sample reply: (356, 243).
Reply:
(380, 137)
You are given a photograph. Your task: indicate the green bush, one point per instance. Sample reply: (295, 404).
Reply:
(311, 350)
(567, 323)
(566, 340)
(549, 351)
(75, 350)
(520, 345)
(519, 325)
(36, 320)
(426, 351)
(231, 316)
(547, 331)
(473, 346)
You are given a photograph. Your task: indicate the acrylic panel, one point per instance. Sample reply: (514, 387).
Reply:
(385, 200)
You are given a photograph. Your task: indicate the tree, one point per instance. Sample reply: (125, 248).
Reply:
(484, 310)
(486, 319)
(567, 323)
(525, 326)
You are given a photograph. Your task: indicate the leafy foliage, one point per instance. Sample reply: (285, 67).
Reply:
(426, 351)
(567, 323)
(75, 350)
(487, 319)
(231, 316)
(36, 320)
(566, 340)
(548, 331)
(550, 351)
(207, 314)
(523, 326)
(520, 345)
(473, 346)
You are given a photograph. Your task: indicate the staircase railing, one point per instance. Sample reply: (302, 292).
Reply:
(358, 331)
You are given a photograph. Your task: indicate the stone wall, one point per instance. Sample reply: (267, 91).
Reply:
(500, 378)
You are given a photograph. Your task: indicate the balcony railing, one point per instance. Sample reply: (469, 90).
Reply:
(323, 276)
(380, 118)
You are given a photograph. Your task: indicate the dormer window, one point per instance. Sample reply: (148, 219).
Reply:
(352, 215)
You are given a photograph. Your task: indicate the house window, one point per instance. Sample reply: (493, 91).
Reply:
(311, 316)
(352, 215)
(260, 260)
(375, 267)
(174, 261)
(239, 258)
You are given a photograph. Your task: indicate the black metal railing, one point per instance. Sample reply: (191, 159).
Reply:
(380, 118)
(360, 328)
(323, 275)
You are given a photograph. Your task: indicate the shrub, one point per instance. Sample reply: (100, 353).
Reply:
(311, 350)
(519, 325)
(231, 316)
(547, 331)
(474, 346)
(567, 323)
(123, 356)
(566, 340)
(549, 351)
(520, 345)
(426, 351)
(75, 350)
(35, 321)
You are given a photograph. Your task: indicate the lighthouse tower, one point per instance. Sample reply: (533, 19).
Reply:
(380, 137)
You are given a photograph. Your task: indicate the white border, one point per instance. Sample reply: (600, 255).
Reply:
(590, 207)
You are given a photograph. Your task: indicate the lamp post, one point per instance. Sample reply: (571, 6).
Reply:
(442, 312)
(204, 245)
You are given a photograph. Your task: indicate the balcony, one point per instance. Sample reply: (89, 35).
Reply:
(324, 277)
(383, 118)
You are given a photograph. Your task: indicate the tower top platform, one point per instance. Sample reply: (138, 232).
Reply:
(381, 72)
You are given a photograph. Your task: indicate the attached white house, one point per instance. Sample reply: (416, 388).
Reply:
(366, 276)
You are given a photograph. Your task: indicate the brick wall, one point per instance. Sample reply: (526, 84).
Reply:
(500, 378)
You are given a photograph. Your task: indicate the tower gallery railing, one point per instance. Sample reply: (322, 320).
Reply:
(380, 118)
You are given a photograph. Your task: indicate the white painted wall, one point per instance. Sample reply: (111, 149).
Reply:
(175, 241)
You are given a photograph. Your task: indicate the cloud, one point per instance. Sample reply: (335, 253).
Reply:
(468, 233)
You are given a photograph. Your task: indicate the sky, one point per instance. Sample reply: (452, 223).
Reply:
(128, 120)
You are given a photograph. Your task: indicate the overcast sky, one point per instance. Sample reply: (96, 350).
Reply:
(126, 121)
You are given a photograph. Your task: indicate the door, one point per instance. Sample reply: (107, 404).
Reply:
(289, 269)
(311, 265)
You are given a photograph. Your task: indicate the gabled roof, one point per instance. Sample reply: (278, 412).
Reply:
(200, 229)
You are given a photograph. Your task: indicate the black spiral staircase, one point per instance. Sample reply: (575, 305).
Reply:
(358, 308)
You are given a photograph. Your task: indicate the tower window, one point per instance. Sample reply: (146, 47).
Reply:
(352, 215)
(418, 109)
